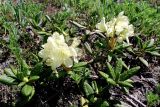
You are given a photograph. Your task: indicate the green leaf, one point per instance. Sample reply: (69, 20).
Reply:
(151, 43)
(27, 90)
(145, 44)
(118, 69)
(104, 75)
(139, 41)
(38, 17)
(9, 72)
(95, 87)
(124, 65)
(88, 89)
(92, 99)
(122, 46)
(129, 73)
(118, 66)
(34, 24)
(111, 81)
(80, 64)
(111, 70)
(109, 58)
(44, 33)
(78, 69)
(19, 15)
(32, 94)
(76, 77)
(21, 84)
(37, 69)
(155, 53)
(33, 78)
(104, 104)
(129, 80)
(48, 18)
(25, 68)
(87, 46)
(6, 80)
(125, 84)
(20, 76)
(144, 61)
(13, 70)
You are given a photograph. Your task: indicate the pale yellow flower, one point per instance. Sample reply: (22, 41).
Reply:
(122, 23)
(74, 50)
(118, 27)
(56, 52)
(126, 33)
(111, 28)
(102, 25)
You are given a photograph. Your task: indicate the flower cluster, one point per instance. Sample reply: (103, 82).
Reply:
(56, 52)
(118, 27)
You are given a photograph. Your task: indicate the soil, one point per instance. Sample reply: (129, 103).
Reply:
(61, 93)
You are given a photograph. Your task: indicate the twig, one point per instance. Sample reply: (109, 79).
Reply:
(87, 31)
(135, 99)
(77, 25)
(98, 33)
(131, 102)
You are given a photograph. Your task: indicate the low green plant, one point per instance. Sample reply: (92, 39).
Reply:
(145, 47)
(116, 76)
(152, 99)
(93, 94)
(20, 12)
(80, 72)
(24, 76)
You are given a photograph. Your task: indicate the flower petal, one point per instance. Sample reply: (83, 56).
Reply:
(102, 25)
(75, 42)
(68, 62)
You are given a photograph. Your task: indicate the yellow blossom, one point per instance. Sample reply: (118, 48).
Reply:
(102, 25)
(111, 28)
(56, 52)
(118, 27)
(125, 34)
